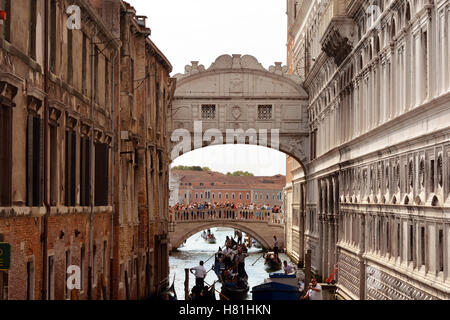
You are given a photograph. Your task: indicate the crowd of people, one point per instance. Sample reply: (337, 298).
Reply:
(225, 210)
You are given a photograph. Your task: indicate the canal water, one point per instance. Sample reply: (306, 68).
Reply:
(196, 249)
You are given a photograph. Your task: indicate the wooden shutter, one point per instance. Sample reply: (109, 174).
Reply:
(73, 169)
(29, 149)
(5, 156)
(101, 174)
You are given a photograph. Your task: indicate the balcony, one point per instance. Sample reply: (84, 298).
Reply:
(337, 31)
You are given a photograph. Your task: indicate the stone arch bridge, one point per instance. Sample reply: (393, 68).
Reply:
(261, 228)
(237, 95)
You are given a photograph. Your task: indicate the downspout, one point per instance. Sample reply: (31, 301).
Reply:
(113, 158)
(91, 216)
(44, 236)
(147, 267)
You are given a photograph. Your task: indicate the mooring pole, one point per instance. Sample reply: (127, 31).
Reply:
(308, 269)
(186, 284)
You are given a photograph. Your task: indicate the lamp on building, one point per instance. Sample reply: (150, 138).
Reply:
(61, 234)
(3, 16)
(77, 233)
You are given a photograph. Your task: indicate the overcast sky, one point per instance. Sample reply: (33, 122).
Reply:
(202, 30)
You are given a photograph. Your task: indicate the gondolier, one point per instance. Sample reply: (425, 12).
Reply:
(200, 274)
(275, 246)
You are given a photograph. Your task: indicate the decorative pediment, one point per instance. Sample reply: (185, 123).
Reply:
(85, 127)
(98, 135)
(71, 122)
(35, 97)
(108, 138)
(9, 85)
(54, 113)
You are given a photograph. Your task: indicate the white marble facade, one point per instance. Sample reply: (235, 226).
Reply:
(377, 188)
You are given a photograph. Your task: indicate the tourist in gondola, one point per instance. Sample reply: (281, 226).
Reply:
(219, 264)
(228, 256)
(288, 269)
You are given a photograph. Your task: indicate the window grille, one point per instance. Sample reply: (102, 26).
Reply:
(264, 112)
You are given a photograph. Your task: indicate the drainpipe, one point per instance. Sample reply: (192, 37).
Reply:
(44, 236)
(113, 158)
(91, 216)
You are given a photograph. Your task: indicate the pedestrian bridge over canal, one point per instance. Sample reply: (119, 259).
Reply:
(260, 225)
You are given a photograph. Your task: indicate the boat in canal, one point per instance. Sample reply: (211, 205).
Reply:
(209, 237)
(205, 294)
(170, 294)
(235, 290)
(271, 261)
(278, 286)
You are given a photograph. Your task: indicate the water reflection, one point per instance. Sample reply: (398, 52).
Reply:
(196, 249)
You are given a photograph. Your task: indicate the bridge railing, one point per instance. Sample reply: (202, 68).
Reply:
(212, 214)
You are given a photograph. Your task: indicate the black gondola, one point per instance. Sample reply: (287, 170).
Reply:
(205, 294)
(170, 293)
(271, 262)
(235, 291)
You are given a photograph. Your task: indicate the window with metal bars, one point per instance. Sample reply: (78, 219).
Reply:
(265, 112)
(208, 111)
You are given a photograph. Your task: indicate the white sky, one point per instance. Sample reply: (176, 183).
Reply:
(202, 30)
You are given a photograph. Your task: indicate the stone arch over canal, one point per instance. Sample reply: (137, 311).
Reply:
(261, 231)
(237, 101)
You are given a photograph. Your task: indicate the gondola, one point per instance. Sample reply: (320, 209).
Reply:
(277, 287)
(270, 262)
(235, 291)
(170, 294)
(206, 294)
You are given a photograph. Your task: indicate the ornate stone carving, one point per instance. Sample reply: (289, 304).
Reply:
(236, 112)
(383, 286)
(236, 83)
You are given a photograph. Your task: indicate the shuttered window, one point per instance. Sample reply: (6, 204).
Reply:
(53, 36)
(32, 30)
(5, 156)
(69, 56)
(35, 160)
(70, 168)
(84, 65)
(85, 172)
(101, 174)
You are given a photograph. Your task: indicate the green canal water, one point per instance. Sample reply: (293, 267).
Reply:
(196, 249)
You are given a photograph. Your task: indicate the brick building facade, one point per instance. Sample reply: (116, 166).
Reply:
(80, 151)
(200, 186)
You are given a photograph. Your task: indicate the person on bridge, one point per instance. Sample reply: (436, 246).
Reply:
(288, 269)
(200, 274)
